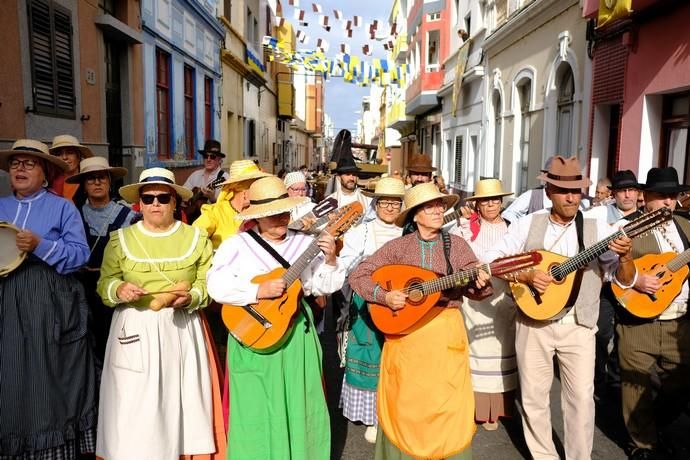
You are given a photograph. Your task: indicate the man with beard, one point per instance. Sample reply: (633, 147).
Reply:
(346, 190)
(419, 169)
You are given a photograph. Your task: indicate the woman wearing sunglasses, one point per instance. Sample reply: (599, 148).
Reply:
(157, 374)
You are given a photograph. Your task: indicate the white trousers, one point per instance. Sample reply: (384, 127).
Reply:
(536, 344)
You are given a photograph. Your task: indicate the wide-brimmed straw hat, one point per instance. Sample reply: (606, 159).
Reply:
(32, 148)
(623, 179)
(268, 196)
(66, 140)
(151, 176)
(488, 188)
(420, 163)
(420, 194)
(388, 187)
(565, 173)
(96, 164)
(664, 180)
(244, 170)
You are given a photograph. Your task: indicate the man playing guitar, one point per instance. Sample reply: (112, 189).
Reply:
(562, 230)
(201, 178)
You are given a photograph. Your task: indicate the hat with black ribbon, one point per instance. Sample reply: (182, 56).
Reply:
(151, 176)
(268, 196)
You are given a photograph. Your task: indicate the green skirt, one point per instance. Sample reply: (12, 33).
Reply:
(386, 450)
(277, 402)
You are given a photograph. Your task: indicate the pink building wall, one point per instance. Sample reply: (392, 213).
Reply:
(659, 62)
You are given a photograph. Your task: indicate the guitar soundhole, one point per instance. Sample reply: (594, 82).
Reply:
(555, 274)
(415, 295)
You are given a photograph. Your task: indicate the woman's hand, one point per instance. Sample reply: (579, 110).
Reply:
(327, 244)
(27, 240)
(271, 289)
(183, 299)
(395, 300)
(129, 292)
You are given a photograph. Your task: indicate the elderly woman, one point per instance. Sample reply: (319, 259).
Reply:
(490, 322)
(47, 396)
(69, 150)
(277, 407)
(363, 343)
(156, 394)
(101, 216)
(425, 404)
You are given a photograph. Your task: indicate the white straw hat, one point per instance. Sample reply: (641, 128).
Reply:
(66, 140)
(420, 194)
(96, 164)
(389, 187)
(244, 170)
(488, 188)
(154, 176)
(268, 196)
(32, 148)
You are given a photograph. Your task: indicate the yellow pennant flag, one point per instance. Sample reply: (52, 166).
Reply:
(610, 10)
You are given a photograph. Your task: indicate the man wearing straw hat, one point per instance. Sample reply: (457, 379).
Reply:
(363, 343)
(69, 150)
(101, 216)
(220, 218)
(564, 230)
(425, 403)
(277, 402)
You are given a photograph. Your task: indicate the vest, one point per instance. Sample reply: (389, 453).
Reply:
(536, 200)
(587, 301)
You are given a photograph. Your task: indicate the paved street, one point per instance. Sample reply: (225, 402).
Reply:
(507, 442)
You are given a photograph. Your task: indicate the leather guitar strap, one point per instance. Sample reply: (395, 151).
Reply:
(446, 251)
(282, 262)
(577, 282)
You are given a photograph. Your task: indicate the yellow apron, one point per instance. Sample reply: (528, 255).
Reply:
(425, 399)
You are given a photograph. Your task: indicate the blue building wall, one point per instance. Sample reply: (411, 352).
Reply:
(190, 33)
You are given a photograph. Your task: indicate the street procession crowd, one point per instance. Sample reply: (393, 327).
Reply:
(447, 313)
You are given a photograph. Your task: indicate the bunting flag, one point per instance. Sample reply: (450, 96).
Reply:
(366, 50)
(351, 68)
(323, 21)
(322, 45)
(316, 8)
(463, 54)
(349, 33)
(345, 48)
(394, 30)
(338, 14)
(281, 22)
(301, 36)
(357, 21)
(294, 3)
(610, 11)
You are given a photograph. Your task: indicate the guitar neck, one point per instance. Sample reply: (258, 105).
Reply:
(448, 218)
(578, 261)
(454, 280)
(680, 260)
(296, 269)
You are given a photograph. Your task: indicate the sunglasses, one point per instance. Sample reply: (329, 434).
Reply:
(163, 198)
(211, 156)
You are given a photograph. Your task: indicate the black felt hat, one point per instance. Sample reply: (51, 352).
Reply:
(212, 146)
(664, 180)
(342, 153)
(624, 179)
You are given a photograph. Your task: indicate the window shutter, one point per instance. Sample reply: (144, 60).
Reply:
(50, 30)
(457, 179)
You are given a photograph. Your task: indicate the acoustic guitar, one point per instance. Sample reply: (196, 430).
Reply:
(560, 296)
(670, 268)
(265, 325)
(423, 288)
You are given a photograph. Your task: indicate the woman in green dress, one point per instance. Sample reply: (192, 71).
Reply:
(277, 404)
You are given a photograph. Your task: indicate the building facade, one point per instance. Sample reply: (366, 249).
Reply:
(73, 67)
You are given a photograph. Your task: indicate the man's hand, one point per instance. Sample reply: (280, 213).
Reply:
(327, 244)
(271, 289)
(395, 300)
(538, 279)
(482, 279)
(621, 246)
(647, 284)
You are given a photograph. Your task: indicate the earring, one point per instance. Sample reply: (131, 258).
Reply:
(45, 183)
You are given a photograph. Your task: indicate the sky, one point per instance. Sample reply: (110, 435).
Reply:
(343, 100)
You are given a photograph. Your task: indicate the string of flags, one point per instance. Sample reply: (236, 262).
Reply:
(350, 67)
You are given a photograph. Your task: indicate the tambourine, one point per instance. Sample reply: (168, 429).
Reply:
(10, 256)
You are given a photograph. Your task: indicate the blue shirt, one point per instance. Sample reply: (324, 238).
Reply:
(56, 221)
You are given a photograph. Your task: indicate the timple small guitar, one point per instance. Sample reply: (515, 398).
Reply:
(265, 325)
(670, 268)
(423, 288)
(561, 293)
(320, 211)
